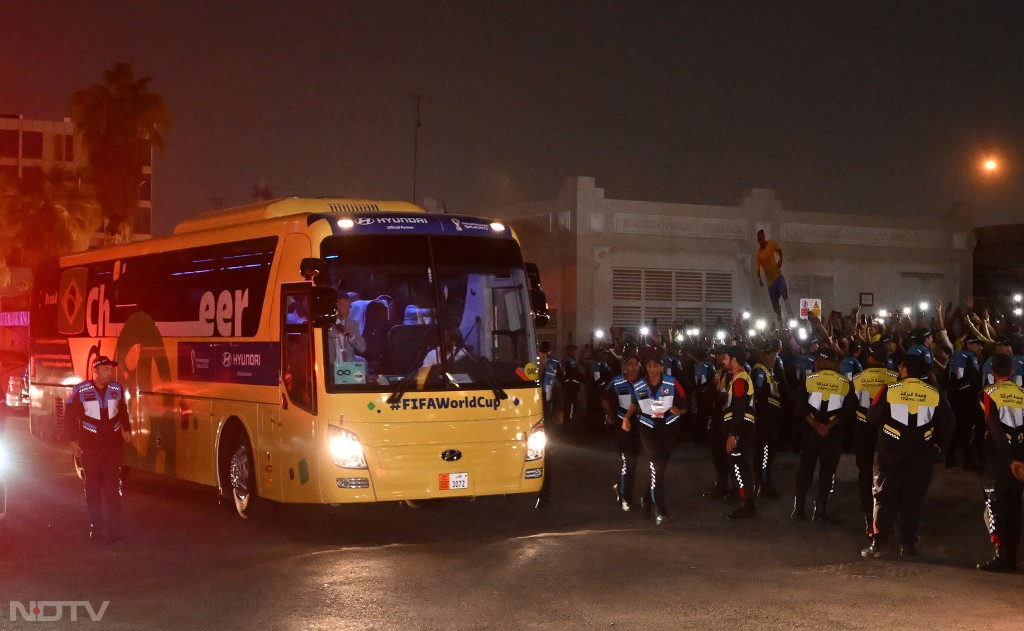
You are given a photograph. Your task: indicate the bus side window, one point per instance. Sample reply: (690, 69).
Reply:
(297, 348)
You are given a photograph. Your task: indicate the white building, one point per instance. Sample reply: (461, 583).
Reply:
(610, 262)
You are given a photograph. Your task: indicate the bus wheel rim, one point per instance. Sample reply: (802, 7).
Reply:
(240, 478)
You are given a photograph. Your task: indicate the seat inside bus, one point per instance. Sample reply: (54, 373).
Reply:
(407, 345)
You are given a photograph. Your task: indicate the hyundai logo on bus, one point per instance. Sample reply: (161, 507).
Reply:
(451, 455)
(369, 221)
(53, 610)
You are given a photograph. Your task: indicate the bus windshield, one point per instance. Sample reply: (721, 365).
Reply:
(419, 312)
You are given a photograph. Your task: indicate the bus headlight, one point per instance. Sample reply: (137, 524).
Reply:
(346, 451)
(535, 442)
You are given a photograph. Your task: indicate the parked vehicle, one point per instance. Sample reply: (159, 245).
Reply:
(14, 381)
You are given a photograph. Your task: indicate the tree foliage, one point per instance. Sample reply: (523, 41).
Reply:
(120, 121)
(46, 218)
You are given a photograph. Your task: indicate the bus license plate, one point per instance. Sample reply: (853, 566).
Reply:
(452, 481)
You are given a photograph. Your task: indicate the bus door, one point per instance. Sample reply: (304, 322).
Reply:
(294, 437)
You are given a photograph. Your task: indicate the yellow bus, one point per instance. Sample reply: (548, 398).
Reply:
(307, 351)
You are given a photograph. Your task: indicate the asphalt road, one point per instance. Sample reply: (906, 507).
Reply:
(493, 563)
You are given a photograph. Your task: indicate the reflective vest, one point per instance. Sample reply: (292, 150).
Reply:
(654, 403)
(867, 384)
(673, 367)
(963, 366)
(550, 377)
(912, 406)
(762, 378)
(1004, 400)
(803, 365)
(826, 394)
(623, 391)
(748, 411)
(100, 412)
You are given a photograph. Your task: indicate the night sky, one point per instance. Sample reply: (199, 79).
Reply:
(876, 107)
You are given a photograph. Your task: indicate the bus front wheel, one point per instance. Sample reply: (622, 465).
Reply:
(241, 476)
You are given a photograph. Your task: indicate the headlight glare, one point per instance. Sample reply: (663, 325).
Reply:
(536, 442)
(346, 450)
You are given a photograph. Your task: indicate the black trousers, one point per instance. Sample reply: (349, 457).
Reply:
(1002, 511)
(657, 442)
(865, 439)
(902, 477)
(628, 445)
(102, 467)
(969, 430)
(767, 444)
(741, 464)
(571, 405)
(719, 459)
(820, 451)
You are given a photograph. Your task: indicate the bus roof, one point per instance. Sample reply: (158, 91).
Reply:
(275, 208)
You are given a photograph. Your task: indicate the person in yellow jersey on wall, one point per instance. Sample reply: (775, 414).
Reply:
(769, 259)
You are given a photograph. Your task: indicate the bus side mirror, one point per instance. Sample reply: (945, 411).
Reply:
(325, 306)
(314, 270)
(539, 306)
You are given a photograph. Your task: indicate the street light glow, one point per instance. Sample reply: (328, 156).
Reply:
(1016, 297)
(990, 165)
(746, 315)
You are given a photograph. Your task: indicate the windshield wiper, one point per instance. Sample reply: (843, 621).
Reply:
(483, 368)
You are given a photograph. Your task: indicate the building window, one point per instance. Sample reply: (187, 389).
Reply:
(63, 148)
(671, 297)
(146, 188)
(32, 145)
(8, 143)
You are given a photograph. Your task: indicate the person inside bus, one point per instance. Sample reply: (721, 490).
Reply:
(453, 347)
(298, 311)
(345, 343)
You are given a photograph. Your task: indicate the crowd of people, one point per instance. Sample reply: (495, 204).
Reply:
(902, 395)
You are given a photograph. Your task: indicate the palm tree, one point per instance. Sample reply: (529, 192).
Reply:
(48, 218)
(120, 121)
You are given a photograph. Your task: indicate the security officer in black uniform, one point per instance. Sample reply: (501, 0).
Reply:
(768, 405)
(964, 390)
(572, 381)
(716, 427)
(1003, 405)
(866, 385)
(824, 397)
(914, 421)
(99, 427)
(658, 403)
(739, 427)
(617, 398)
